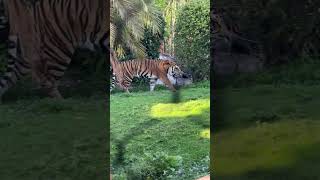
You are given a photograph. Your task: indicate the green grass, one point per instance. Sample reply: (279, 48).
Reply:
(265, 132)
(42, 138)
(47, 139)
(146, 126)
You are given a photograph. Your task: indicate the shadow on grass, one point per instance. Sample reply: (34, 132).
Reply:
(199, 120)
(121, 143)
(28, 90)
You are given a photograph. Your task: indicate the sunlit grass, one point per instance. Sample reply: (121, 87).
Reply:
(265, 132)
(266, 146)
(205, 134)
(184, 109)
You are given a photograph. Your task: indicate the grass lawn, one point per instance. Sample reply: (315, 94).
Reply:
(150, 135)
(266, 132)
(53, 139)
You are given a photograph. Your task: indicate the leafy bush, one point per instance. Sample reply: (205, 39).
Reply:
(161, 166)
(301, 71)
(285, 28)
(192, 41)
(154, 166)
(152, 41)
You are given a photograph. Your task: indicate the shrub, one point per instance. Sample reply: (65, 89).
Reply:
(297, 72)
(154, 166)
(152, 41)
(192, 41)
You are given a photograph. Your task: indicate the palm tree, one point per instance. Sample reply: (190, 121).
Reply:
(129, 18)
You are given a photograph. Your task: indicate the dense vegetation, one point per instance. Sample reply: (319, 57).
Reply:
(287, 29)
(192, 40)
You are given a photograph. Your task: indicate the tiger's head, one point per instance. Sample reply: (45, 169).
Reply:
(173, 69)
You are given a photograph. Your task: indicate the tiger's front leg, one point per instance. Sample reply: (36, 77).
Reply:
(49, 72)
(167, 82)
(50, 86)
(55, 93)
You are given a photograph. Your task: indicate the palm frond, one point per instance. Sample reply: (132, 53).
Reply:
(129, 18)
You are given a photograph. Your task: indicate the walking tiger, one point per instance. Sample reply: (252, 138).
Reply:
(44, 35)
(125, 71)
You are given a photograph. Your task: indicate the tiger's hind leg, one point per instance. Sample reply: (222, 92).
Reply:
(113, 82)
(153, 81)
(124, 85)
(51, 87)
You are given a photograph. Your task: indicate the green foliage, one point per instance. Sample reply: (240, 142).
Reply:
(154, 166)
(161, 4)
(287, 29)
(151, 41)
(306, 72)
(192, 39)
(127, 22)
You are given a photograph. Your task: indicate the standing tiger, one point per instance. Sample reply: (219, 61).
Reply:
(125, 71)
(43, 37)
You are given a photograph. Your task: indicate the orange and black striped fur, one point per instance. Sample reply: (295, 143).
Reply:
(125, 71)
(44, 36)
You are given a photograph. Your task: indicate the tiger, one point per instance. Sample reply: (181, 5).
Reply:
(153, 81)
(125, 71)
(44, 35)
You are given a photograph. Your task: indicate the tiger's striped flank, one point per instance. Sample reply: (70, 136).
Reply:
(44, 36)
